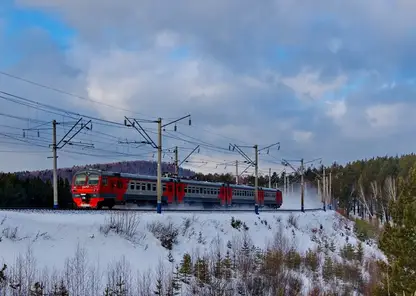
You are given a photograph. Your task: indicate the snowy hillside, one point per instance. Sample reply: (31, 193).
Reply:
(76, 246)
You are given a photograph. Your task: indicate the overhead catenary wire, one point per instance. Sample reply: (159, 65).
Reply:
(96, 134)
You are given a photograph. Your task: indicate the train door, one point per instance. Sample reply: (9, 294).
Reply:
(261, 197)
(170, 193)
(229, 195)
(180, 192)
(222, 195)
(279, 198)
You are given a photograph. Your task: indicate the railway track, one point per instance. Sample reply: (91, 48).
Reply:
(51, 210)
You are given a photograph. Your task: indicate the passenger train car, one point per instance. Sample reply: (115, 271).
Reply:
(96, 189)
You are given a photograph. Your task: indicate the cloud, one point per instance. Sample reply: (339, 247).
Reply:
(325, 79)
(307, 84)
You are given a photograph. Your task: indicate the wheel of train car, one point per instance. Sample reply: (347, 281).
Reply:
(111, 203)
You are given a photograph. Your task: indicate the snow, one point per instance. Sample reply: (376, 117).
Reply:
(54, 236)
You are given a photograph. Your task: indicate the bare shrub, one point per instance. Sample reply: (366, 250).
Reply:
(280, 241)
(293, 221)
(144, 284)
(39, 235)
(119, 278)
(11, 234)
(3, 220)
(125, 224)
(76, 272)
(160, 280)
(167, 234)
(94, 280)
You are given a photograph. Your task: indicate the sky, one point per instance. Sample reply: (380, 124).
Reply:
(327, 79)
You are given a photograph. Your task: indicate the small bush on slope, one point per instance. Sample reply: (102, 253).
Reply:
(167, 234)
(237, 224)
(125, 224)
(365, 231)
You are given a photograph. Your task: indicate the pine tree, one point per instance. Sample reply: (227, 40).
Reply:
(311, 260)
(328, 269)
(36, 289)
(159, 287)
(201, 271)
(218, 266)
(107, 292)
(176, 281)
(359, 254)
(398, 239)
(245, 249)
(60, 290)
(121, 290)
(227, 266)
(3, 278)
(201, 239)
(170, 257)
(186, 268)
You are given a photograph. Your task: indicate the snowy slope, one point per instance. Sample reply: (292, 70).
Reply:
(53, 237)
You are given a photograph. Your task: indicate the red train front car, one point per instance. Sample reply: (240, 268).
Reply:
(97, 189)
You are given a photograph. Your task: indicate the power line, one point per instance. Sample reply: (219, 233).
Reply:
(67, 93)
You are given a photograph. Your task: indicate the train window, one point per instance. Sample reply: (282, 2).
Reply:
(93, 179)
(132, 186)
(138, 186)
(153, 187)
(186, 189)
(80, 179)
(104, 181)
(193, 190)
(143, 187)
(149, 187)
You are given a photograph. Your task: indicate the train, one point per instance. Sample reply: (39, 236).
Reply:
(92, 188)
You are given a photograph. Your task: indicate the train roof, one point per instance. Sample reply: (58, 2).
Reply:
(167, 179)
(123, 175)
(204, 183)
(248, 187)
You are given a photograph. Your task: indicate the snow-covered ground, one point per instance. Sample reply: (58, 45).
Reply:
(54, 237)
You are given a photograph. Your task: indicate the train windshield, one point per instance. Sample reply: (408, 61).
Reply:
(93, 179)
(80, 179)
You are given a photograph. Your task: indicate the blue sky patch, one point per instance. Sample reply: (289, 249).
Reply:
(18, 20)
(180, 53)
